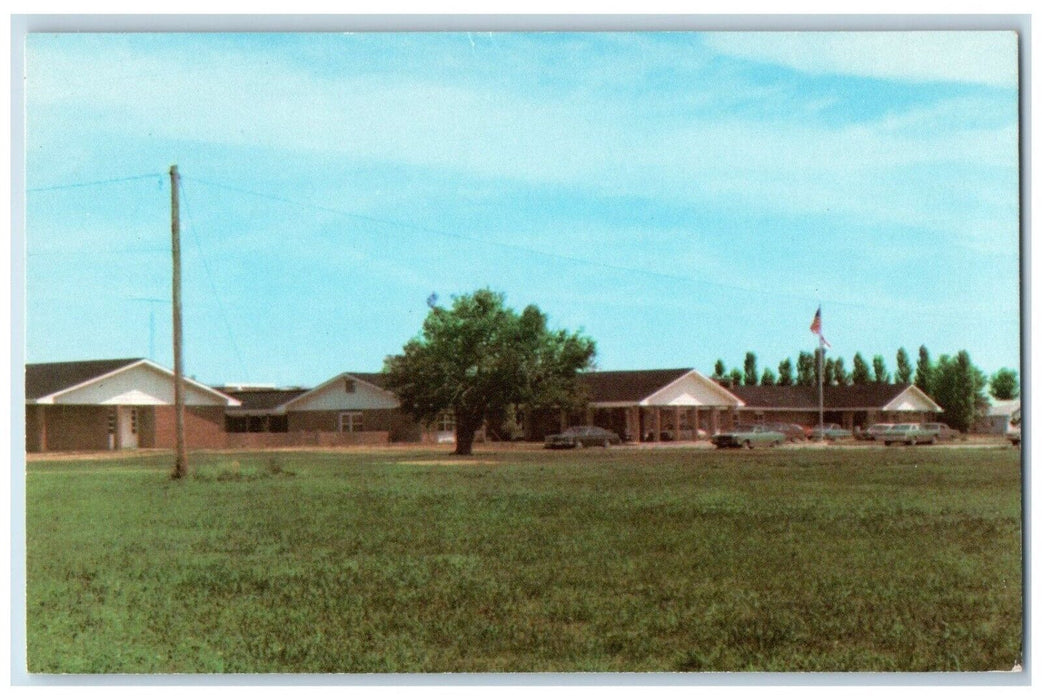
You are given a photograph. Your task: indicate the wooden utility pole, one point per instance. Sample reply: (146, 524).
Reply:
(181, 457)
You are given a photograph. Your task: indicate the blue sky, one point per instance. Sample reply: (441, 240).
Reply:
(680, 197)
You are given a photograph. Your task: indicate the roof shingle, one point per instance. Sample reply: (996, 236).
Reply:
(44, 379)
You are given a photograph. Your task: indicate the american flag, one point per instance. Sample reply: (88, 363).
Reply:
(815, 328)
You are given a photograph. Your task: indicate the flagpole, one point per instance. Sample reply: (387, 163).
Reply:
(821, 385)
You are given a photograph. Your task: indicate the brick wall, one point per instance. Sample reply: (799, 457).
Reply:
(68, 428)
(397, 425)
(204, 427)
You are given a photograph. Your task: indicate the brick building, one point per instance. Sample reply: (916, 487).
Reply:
(115, 404)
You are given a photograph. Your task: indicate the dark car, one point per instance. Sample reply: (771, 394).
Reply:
(582, 436)
(791, 431)
(943, 431)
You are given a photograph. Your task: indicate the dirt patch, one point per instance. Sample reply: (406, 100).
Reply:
(446, 462)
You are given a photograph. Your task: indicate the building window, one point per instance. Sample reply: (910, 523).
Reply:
(350, 422)
(447, 422)
(349, 386)
(133, 421)
(112, 422)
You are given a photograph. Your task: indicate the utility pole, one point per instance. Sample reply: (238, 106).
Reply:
(181, 456)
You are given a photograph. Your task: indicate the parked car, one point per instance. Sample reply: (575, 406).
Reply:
(909, 434)
(791, 431)
(582, 436)
(943, 431)
(874, 431)
(749, 436)
(831, 431)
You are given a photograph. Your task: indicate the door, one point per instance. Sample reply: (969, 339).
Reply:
(127, 417)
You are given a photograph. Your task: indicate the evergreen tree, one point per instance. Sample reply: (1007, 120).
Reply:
(860, 374)
(839, 373)
(785, 372)
(735, 378)
(805, 372)
(959, 388)
(904, 367)
(768, 377)
(750, 369)
(830, 371)
(720, 373)
(881, 376)
(924, 371)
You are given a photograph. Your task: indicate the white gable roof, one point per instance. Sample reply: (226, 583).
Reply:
(344, 392)
(913, 399)
(692, 389)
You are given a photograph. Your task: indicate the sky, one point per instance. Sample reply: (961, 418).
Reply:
(679, 197)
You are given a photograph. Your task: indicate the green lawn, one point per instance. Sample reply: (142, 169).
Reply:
(596, 560)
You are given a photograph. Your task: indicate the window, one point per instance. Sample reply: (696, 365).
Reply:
(349, 386)
(112, 422)
(133, 421)
(447, 422)
(350, 422)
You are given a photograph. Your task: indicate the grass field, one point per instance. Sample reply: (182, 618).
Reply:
(597, 560)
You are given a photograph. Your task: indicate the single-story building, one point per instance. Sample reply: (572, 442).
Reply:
(856, 406)
(114, 405)
(350, 408)
(1000, 412)
(645, 405)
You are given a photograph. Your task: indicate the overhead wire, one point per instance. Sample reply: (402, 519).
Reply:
(209, 276)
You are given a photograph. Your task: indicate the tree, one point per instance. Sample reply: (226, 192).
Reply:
(768, 377)
(1004, 384)
(880, 375)
(785, 372)
(720, 373)
(806, 373)
(839, 373)
(924, 371)
(860, 374)
(830, 371)
(750, 369)
(735, 378)
(904, 367)
(478, 357)
(959, 387)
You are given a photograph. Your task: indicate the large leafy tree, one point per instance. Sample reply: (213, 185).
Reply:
(1004, 385)
(785, 372)
(768, 378)
(479, 357)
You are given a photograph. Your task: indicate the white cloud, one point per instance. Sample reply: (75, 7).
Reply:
(986, 58)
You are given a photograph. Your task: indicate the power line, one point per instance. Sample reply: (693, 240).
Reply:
(209, 277)
(94, 183)
(498, 244)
